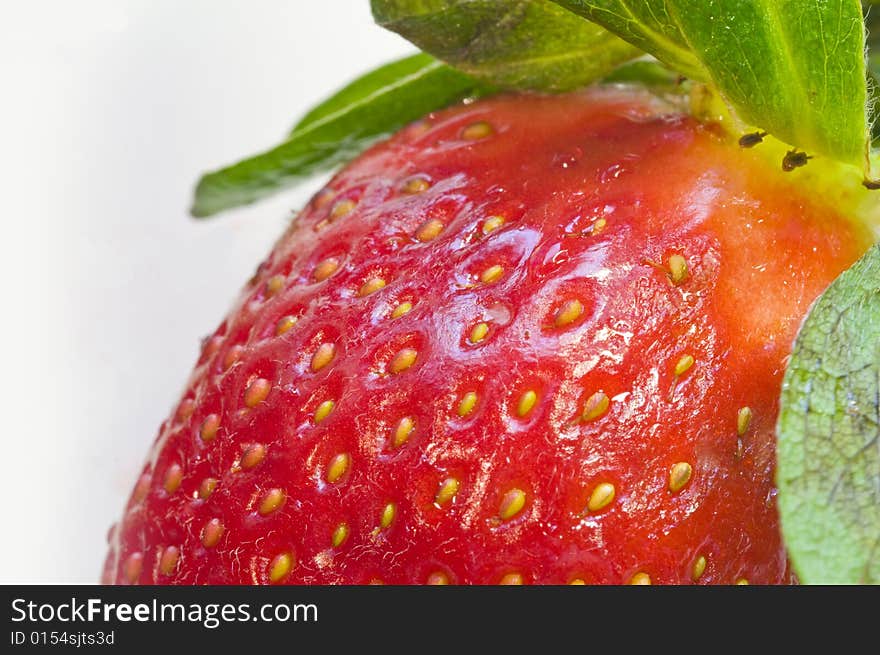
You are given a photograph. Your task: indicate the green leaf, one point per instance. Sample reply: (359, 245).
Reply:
(648, 25)
(872, 27)
(518, 44)
(828, 470)
(381, 79)
(648, 73)
(338, 129)
(795, 68)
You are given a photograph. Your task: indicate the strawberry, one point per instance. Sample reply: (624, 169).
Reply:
(527, 340)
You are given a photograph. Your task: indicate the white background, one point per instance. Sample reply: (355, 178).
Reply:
(109, 110)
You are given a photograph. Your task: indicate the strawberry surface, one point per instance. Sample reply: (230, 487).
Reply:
(526, 340)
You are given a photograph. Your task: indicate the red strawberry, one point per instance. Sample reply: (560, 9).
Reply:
(528, 340)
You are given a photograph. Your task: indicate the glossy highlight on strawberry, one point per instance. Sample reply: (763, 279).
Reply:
(528, 340)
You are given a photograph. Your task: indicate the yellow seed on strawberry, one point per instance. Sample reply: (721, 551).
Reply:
(402, 432)
(683, 365)
(323, 410)
(280, 566)
(679, 476)
(401, 309)
(341, 209)
(371, 286)
(388, 514)
(209, 427)
(467, 404)
(602, 496)
(416, 185)
(168, 560)
(173, 478)
(284, 324)
(338, 467)
(325, 269)
(447, 491)
(403, 360)
(272, 500)
(526, 403)
(232, 356)
(206, 488)
(340, 535)
(478, 333)
(743, 420)
(212, 532)
(512, 504)
(437, 578)
(477, 130)
(273, 285)
(492, 274)
(252, 456)
(186, 409)
(640, 578)
(596, 406)
(678, 268)
(256, 392)
(323, 356)
(492, 223)
(570, 311)
(429, 230)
